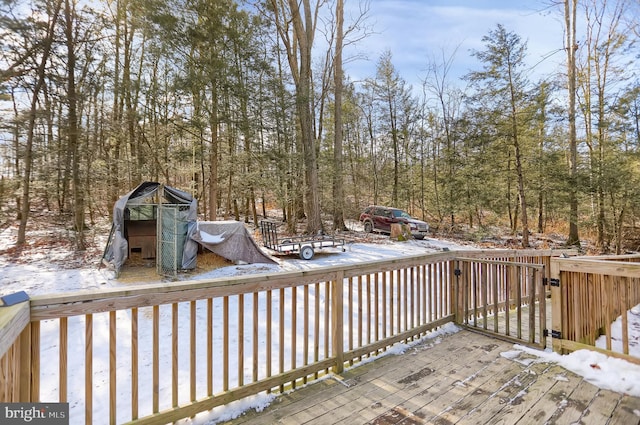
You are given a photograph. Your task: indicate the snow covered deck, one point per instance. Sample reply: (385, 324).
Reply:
(464, 378)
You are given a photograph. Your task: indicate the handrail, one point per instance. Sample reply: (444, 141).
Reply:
(504, 263)
(13, 320)
(72, 303)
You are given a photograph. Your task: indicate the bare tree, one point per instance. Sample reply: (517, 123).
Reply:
(73, 130)
(28, 150)
(604, 44)
(296, 26)
(448, 102)
(338, 192)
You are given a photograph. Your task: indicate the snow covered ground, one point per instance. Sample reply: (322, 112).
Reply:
(43, 268)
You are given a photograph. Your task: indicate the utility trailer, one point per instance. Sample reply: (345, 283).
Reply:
(304, 246)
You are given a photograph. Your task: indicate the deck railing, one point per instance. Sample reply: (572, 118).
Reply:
(592, 302)
(158, 353)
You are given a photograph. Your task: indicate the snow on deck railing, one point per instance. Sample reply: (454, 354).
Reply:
(162, 352)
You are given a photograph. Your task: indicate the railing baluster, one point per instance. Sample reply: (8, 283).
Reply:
(405, 305)
(496, 300)
(475, 291)
(112, 367)
(193, 347)
(370, 316)
(349, 311)
(269, 344)
(431, 289)
(281, 335)
(88, 369)
(294, 327)
(385, 303)
(422, 294)
(327, 318)
(209, 347)
(316, 325)
(518, 283)
(337, 321)
(624, 306)
(64, 351)
(156, 359)
(225, 343)
(360, 312)
(305, 318)
(134, 363)
(484, 282)
(389, 299)
(256, 337)
(174, 355)
(532, 281)
(414, 301)
(508, 293)
(240, 353)
(542, 300)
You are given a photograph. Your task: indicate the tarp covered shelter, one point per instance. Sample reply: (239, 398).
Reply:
(155, 219)
(229, 239)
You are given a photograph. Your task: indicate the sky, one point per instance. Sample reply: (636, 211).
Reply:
(418, 32)
(42, 271)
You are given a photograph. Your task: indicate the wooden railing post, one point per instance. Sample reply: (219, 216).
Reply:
(556, 305)
(15, 351)
(25, 365)
(459, 291)
(452, 283)
(337, 322)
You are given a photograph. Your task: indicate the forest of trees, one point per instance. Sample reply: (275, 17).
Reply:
(235, 102)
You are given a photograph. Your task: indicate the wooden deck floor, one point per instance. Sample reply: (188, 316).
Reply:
(463, 379)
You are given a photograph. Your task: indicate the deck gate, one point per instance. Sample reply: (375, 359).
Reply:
(504, 299)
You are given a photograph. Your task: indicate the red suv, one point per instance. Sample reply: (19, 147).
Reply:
(380, 219)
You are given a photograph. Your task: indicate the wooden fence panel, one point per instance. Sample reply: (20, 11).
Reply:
(593, 293)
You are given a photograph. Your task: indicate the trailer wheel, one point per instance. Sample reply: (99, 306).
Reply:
(306, 252)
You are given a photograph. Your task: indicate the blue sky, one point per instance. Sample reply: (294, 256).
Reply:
(416, 31)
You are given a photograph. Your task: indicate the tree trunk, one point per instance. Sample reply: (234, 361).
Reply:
(299, 45)
(28, 150)
(74, 143)
(521, 192)
(570, 8)
(519, 172)
(213, 158)
(338, 192)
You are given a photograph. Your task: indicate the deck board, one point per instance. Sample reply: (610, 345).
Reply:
(460, 379)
